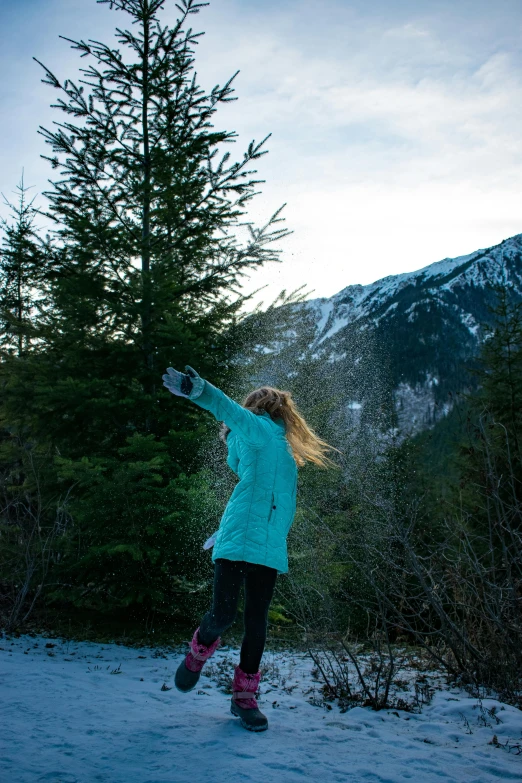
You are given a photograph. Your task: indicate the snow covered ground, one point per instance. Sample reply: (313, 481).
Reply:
(79, 712)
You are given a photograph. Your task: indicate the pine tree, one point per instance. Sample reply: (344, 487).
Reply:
(500, 371)
(21, 267)
(143, 270)
(149, 202)
(490, 456)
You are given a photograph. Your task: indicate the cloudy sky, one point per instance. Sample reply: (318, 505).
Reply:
(397, 124)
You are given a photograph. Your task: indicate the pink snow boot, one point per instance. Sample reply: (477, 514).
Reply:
(189, 670)
(243, 704)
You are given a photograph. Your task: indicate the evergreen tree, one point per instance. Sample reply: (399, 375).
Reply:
(148, 206)
(490, 454)
(144, 271)
(500, 371)
(143, 185)
(21, 260)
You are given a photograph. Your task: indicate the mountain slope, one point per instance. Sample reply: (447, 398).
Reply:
(413, 333)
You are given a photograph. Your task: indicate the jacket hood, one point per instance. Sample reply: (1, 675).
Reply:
(279, 421)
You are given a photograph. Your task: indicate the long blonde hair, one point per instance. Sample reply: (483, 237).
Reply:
(305, 444)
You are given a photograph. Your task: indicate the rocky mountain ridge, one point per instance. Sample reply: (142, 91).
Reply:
(415, 333)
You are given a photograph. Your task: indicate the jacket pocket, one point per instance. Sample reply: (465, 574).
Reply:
(272, 507)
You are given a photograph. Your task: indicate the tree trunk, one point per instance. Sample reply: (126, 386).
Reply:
(146, 317)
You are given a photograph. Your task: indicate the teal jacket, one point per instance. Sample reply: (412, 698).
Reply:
(261, 509)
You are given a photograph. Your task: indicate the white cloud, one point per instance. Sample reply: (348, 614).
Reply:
(396, 126)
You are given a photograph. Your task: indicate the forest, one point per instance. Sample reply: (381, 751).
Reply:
(133, 261)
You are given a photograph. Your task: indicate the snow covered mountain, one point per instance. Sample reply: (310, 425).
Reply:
(412, 332)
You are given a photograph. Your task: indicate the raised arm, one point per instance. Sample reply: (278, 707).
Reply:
(252, 428)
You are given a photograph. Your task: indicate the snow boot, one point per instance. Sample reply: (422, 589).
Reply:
(243, 704)
(189, 670)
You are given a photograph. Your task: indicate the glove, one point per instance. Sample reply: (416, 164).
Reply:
(181, 384)
(177, 382)
(209, 543)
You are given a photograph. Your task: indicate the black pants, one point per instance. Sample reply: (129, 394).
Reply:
(259, 581)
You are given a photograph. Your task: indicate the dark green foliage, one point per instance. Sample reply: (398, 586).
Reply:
(445, 463)
(490, 452)
(500, 371)
(135, 531)
(33, 518)
(452, 568)
(21, 268)
(142, 270)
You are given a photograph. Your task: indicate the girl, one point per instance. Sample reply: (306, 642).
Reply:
(267, 439)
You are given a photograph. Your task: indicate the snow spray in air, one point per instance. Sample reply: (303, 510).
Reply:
(338, 377)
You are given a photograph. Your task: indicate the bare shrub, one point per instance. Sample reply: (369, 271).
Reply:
(372, 674)
(454, 589)
(457, 591)
(354, 677)
(29, 529)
